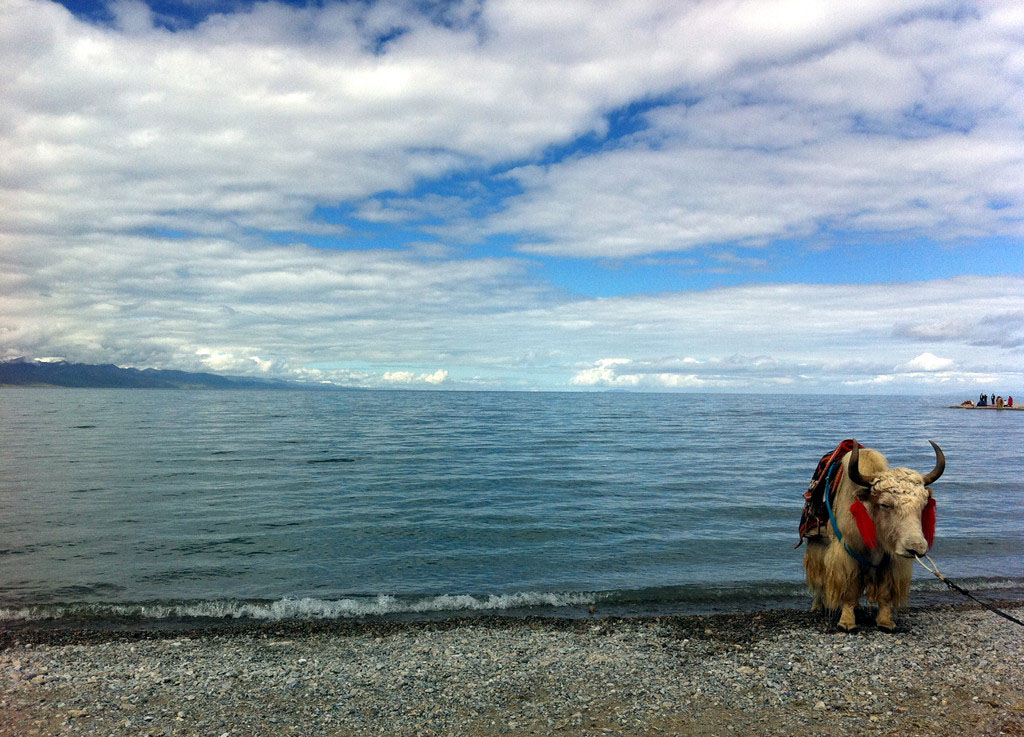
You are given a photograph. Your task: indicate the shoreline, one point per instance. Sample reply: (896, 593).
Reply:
(740, 624)
(683, 601)
(948, 670)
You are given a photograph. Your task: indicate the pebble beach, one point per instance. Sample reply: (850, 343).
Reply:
(946, 671)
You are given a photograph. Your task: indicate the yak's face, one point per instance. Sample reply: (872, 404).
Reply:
(896, 499)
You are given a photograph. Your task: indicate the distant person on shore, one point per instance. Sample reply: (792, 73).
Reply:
(983, 401)
(1009, 401)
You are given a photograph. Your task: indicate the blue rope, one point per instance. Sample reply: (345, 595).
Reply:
(832, 471)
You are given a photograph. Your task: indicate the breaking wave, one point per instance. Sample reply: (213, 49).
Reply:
(300, 608)
(643, 602)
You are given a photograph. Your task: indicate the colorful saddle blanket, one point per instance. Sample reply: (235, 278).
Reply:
(826, 477)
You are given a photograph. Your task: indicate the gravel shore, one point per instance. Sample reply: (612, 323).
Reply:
(946, 671)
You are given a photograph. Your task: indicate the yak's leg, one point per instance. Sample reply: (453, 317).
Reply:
(884, 617)
(848, 620)
(843, 584)
(889, 588)
(814, 567)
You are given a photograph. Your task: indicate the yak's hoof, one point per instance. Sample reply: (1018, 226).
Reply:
(846, 627)
(883, 618)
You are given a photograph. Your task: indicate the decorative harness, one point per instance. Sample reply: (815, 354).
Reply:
(835, 471)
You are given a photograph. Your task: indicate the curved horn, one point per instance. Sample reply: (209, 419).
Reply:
(940, 465)
(853, 470)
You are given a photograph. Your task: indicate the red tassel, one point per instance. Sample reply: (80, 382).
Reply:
(928, 521)
(865, 524)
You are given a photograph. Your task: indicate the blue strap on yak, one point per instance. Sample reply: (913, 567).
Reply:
(835, 468)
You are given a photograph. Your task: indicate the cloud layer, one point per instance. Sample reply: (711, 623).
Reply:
(385, 318)
(863, 116)
(191, 195)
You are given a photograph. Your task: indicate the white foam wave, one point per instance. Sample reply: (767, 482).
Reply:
(310, 608)
(305, 608)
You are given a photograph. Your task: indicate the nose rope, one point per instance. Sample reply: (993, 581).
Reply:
(934, 570)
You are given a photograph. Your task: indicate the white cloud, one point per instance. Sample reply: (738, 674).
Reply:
(604, 372)
(220, 360)
(225, 361)
(944, 381)
(909, 129)
(896, 131)
(438, 377)
(927, 362)
(410, 377)
(841, 119)
(400, 377)
(251, 120)
(291, 311)
(632, 202)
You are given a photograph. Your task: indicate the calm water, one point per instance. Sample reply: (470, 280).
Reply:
(324, 504)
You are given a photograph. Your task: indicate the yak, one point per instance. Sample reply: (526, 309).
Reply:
(885, 518)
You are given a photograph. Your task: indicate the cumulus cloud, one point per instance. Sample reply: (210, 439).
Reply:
(901, 130)
(926, 362)
(928, 371)
(410, 377)
(623, 372)
(252, 120)
(227, 362)
(605, 372)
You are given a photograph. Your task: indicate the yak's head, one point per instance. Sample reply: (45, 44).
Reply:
(895, 506)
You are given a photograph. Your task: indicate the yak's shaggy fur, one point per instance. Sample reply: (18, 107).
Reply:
(894, 499)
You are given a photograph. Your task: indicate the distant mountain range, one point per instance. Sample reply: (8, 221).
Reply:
(61, 373)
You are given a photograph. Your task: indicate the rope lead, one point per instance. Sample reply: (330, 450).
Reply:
(934, 570)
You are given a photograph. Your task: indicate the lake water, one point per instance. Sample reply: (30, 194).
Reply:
(308, 504)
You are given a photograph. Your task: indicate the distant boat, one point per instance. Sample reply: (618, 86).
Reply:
(987, 406)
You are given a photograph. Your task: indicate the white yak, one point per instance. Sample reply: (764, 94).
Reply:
(892, 505)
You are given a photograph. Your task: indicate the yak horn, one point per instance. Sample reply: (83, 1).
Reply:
(853, 471)
(940, 465)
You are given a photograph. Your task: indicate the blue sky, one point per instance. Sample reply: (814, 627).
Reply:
(713, 196)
